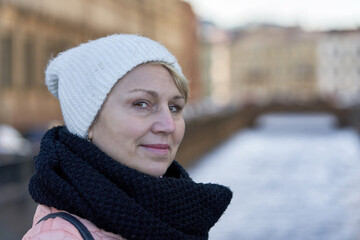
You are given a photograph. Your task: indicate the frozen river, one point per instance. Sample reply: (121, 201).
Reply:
(294, 177)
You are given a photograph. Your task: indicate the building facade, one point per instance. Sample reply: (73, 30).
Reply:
(215, 63)
(33, 31)
(273, 64)
(339, 67)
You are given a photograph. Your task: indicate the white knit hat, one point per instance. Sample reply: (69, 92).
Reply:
(82, 77)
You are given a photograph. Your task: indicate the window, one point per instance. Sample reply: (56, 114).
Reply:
(6, 61)
(29, 63)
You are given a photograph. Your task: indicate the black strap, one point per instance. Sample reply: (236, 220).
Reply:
(84, 232)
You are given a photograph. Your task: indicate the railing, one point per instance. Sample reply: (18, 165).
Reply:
(16, 206)
(15, 172)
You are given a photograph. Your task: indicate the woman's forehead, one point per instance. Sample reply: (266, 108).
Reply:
(152, 80)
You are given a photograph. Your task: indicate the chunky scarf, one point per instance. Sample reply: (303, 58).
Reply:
(73, 175)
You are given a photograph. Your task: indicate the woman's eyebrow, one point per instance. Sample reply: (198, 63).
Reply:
(179, 97)
(154, 94)
(150, 92)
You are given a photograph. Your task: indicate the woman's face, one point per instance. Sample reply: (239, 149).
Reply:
(141, 123)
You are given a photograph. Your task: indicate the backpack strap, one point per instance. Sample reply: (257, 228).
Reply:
(84, 232)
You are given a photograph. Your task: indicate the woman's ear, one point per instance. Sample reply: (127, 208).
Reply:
(90, 133)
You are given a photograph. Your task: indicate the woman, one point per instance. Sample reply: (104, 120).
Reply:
(111, 168)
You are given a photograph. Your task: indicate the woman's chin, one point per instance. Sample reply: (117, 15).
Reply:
(156, 169)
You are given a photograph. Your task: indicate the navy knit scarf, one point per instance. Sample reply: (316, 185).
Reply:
(74, 175)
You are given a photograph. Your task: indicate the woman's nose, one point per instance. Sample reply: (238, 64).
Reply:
(164, 122)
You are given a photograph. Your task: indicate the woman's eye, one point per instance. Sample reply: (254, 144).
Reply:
(175, 108)
(141, 104)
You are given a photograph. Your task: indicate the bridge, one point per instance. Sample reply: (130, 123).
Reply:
(209, 130)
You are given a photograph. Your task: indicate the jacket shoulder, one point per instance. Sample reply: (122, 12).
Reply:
(60, 229)
(57, 229)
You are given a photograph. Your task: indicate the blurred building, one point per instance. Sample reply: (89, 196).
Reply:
(273, 64)
(31, 31)
(339, 67)
(215, 63)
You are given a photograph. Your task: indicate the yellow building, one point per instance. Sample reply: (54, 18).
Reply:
(339, 67)
(273, 64)
(215, 63)
(31, 31)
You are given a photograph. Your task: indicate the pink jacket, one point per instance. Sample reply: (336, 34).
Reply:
(60, 229)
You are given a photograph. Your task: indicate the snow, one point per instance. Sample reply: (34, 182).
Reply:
(293, 177)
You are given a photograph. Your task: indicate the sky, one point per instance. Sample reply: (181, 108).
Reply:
(309, 14)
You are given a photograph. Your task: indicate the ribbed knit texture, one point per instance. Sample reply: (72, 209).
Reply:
(83, 76)
(75, 176)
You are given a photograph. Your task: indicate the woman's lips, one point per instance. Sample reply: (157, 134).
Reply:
(161, 149)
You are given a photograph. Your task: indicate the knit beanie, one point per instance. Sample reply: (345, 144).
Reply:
(82, 77)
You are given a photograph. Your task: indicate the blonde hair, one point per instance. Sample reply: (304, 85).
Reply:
(180, 80)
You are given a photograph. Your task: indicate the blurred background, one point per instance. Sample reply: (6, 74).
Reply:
(274, 111)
